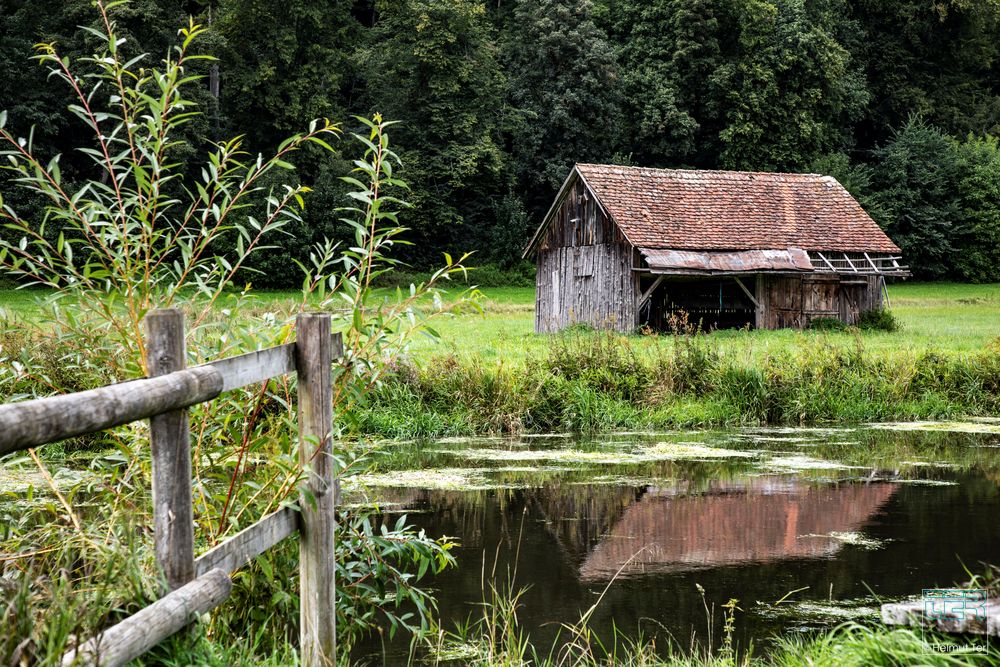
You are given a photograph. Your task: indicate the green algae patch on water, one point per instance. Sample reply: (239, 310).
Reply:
(18, 480)
(854, 539)
(820, 431)
(622, 480)
(799, 463)
(926, 482)
(669, 451)
(466, 440)
(817, 612)
(928, 464)
(442, 479)
(663, 451)
(971, 426)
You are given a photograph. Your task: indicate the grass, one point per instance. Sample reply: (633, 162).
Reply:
(496, 639)
(945, 317)
(490, 373)
(948, 317)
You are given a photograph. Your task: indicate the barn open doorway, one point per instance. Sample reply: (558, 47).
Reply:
(717, 302)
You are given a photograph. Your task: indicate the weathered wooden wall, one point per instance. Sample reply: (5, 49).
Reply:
(795, 301)
(584, 269)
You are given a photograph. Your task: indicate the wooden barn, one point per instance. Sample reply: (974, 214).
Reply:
(623, 247)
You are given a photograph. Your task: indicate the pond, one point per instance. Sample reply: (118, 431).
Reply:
(805, 527)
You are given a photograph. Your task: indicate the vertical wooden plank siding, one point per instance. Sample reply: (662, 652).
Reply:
(794, 301)
(170, 442)
(584, 269)
(317, 606)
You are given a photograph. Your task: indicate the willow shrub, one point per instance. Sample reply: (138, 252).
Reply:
(145, 229)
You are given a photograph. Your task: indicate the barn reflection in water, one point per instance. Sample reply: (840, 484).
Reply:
(607, 530)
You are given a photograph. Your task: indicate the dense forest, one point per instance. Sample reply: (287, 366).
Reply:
(899, 100)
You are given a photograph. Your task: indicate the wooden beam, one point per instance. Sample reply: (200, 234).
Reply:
(850, 263)
(30, 423)
(146, 628)
(170, 445)
(823, 257)
(44, 420)
(255, 367)
(877, 270)
(649, 293)
(746, 291)
(249, 543)
(317, 602)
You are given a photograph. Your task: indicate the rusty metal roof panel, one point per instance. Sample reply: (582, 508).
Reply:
(745, 261)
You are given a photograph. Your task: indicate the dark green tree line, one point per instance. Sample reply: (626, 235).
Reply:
(496, 100)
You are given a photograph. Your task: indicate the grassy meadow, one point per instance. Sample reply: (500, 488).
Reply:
(487, 372)
(945, 317)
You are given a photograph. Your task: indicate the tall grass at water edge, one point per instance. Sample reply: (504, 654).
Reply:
(588, 381)
(495, 638)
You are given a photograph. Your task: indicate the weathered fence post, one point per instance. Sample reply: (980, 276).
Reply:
(318, 612)
(170, 440)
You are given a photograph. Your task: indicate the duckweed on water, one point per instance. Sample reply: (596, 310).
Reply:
(799, 463)
(442, 479)
(19, 480)
(972, 426)
(662, 451)
(820, 612)
(928, 464)
(852, 538)
(926, 482)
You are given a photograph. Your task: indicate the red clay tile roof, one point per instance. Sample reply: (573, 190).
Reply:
(733, 210)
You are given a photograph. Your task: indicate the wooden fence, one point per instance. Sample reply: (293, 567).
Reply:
(199, 584)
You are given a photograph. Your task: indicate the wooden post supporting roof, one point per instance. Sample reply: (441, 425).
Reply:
(649, 293)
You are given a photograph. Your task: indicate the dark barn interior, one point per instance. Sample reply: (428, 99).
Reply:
(708, 303)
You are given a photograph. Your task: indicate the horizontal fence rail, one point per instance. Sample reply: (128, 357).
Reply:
(149, 626)
(198, 585)
(249, 543)
(45, 420)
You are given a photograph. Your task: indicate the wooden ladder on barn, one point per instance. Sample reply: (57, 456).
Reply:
(199, 584)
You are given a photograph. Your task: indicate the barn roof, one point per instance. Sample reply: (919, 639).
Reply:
(730, 210)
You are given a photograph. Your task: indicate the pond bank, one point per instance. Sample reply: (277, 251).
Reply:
(586, 382)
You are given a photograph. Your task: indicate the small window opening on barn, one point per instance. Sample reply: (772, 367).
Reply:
(716, 302)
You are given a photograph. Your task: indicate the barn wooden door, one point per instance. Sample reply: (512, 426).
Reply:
(820, 298)
(851, 297)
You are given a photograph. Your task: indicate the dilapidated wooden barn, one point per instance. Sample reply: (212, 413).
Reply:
(623, 247)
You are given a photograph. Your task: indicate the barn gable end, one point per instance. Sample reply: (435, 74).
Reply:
(584, 265)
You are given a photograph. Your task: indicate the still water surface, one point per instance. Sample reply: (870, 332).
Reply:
(842, 517)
